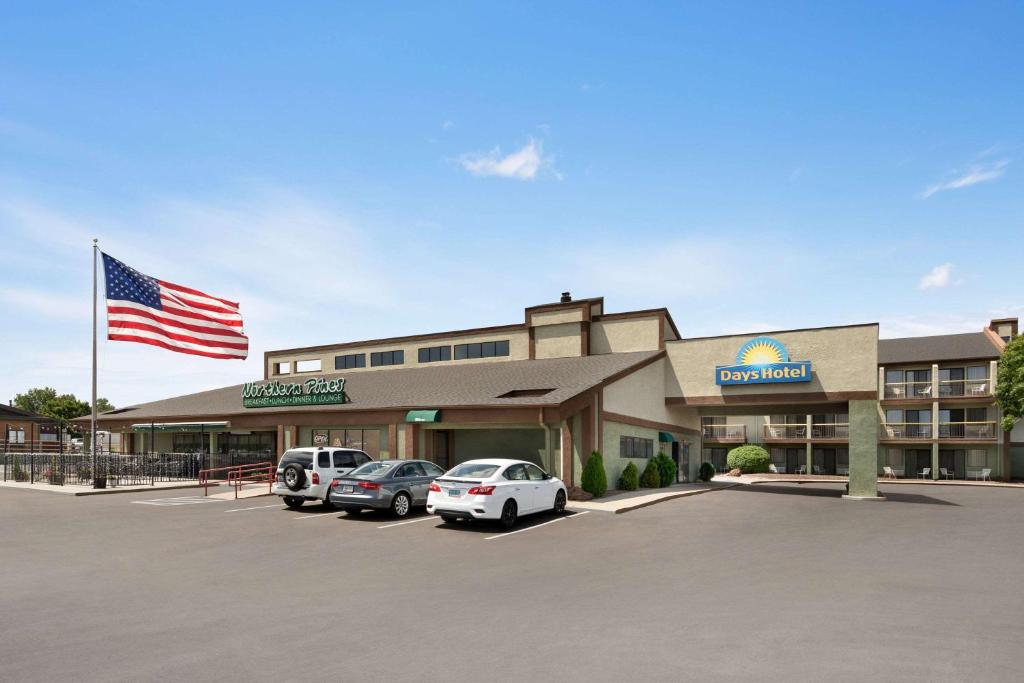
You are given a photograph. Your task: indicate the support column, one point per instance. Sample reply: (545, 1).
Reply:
(935, 459)
(809, 446)
(393, 441)
(411, 440)
(566, 431)
(935, 430)
(863, 450)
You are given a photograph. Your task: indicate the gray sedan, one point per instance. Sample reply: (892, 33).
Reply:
(395, 485)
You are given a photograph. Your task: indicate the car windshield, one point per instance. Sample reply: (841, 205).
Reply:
(304, 459)
(480, 470)
(371, 468)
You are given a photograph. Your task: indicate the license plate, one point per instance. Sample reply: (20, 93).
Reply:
(455, 493)
(346, 489)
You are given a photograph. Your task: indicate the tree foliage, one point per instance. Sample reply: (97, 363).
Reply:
(1010, 383)
(651, 478)
(630, 479)
(46, 401)
(749, 459)
(666, 469)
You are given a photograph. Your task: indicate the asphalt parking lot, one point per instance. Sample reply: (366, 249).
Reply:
(766, 582)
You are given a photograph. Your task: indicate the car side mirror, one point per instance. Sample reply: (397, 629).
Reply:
(547, 476)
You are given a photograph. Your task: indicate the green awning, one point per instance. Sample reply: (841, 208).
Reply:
(423, 416)
(665, 437)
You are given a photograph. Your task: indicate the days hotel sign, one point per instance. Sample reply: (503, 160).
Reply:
(312, 392)
(763, 360)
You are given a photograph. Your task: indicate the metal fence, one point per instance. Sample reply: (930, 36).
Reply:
(112, 470)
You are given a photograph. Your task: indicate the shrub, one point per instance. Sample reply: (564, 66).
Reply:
(630, 479)
(594, 480)
(651, 478)
(706, 471)
(666, 469)
(748, 459)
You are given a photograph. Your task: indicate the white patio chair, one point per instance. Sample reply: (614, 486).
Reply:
(986, 474)
(772, 469)
(946, 473)
(926, 473)
(843, 471)
(887, 471)
(979, 389)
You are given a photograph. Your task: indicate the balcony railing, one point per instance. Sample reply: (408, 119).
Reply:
(724, 432)
(785, 432)
(905, 430)
(899, 390)
(827, 431)
(953, 388)
(967, 430)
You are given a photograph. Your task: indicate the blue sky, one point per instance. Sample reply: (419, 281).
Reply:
(350, 173)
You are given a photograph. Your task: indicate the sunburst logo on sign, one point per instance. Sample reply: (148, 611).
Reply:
(763, 360)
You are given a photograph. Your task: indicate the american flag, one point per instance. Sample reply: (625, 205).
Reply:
(143, 309)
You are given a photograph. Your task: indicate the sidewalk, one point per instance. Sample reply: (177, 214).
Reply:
(828, 479)
(247, 491)
(624, 501)
(79, 490)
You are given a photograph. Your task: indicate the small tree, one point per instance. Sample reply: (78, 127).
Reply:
(748, 459)
(666, 469)
(651, 478)
(706, 471)
(1010, 383)
(630, 479)
(594, 480)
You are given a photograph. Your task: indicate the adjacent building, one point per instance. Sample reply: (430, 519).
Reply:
(571, 378)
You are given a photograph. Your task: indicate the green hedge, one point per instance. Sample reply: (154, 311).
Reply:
(594, 480)
(630, 479)
(749, 459)
(666, 469)
(706, 471)
(651, 478)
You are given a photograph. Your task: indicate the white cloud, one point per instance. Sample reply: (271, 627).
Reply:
(937, 277)
(523, 164)
(448, 124)
(975, 174)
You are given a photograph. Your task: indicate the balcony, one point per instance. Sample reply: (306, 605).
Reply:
(785, 432)
(968, 388)
(830, 432)
(969, 431)
(905, 431)
(725, 433)
(903, 390)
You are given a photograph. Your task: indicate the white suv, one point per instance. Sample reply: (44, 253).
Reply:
(306, 473)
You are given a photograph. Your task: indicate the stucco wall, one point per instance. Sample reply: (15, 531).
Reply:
(573, 315)
(842, 359)
(641, 394)
(621, 336)
(557, 341)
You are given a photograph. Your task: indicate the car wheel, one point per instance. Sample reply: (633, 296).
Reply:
(560, 502)
(509, 513)
(449, 519)
(328, 505)
(400, 505)
(294, 476)
(293, 503)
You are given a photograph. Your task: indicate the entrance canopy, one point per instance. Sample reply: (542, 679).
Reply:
(423, 416)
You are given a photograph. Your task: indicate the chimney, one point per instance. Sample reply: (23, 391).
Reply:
(1005, 328)
(566, 298)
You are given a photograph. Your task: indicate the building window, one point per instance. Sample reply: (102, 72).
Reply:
(189, 442)
(635, 447)
(387, 358)
(481, 350)
(366, 440)
(894, 458)
(282, 368)
(352, 360)
(433, 354)
(977, 458)
(307, 365)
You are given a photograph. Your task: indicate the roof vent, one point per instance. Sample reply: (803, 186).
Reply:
(566, 298)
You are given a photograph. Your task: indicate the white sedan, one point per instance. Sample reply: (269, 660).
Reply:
(495, 489)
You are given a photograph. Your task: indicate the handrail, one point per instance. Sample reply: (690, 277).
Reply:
(235, 473)
(736, 432)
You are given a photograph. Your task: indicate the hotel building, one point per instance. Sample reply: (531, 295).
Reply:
(571, 378)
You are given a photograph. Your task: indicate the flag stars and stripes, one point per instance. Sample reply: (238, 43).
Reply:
(146, 310)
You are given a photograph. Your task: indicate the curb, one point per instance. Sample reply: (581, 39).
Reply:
(104, 492)
(666, 497)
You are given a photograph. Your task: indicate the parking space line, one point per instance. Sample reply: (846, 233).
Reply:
(529, 528)
(410, 521)
(579, 514)
(258, 507)
(319, 514)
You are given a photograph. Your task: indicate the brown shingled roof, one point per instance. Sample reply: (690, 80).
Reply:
(472, 384)
(940, 347)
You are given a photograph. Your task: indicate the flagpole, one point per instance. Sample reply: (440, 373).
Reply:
(92, 438)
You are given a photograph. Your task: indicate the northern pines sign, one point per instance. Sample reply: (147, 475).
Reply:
(313, 392)
(763, 360)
